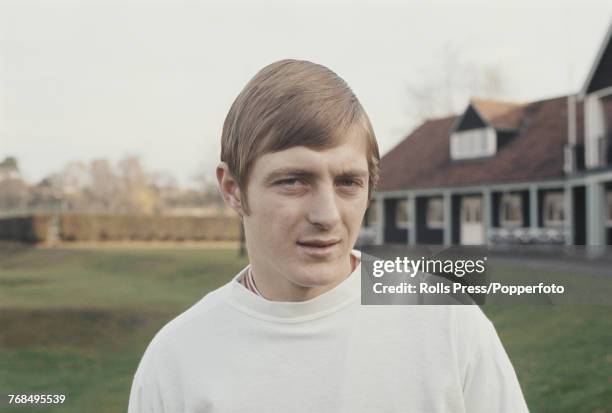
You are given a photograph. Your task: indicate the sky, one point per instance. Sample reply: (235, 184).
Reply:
(81, 80)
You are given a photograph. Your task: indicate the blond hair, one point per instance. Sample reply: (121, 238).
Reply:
(293, 103)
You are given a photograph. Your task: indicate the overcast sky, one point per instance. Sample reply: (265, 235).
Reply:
(81, 80)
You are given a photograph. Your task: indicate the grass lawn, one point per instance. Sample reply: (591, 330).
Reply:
(76, 322)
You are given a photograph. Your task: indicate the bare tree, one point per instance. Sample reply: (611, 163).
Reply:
(166, 189)
(9, 168)
(447, 87)
(104, 186)
(207, 185)
(135, 193)
(74, 177)
(13, 194)
(13, 189)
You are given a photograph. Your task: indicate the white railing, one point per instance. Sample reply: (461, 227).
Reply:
(527, 235)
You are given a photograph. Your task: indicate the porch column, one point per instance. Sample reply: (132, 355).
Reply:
(533, 206)
(568, 213)
(447, 218)
(412, 239)
(487, 214)
(595, 213)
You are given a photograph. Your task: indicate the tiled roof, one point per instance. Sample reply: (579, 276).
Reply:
(422, 160)
(500, 115)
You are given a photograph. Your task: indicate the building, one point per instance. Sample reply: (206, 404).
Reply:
(502, 172)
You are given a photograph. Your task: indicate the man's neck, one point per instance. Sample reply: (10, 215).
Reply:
(288, 291)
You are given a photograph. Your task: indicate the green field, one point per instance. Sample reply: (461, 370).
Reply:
(76, 322)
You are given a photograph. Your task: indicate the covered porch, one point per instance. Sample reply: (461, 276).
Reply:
(565, 212)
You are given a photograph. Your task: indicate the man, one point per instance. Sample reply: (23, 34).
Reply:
(288, 333)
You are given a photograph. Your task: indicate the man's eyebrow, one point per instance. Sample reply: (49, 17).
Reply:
(305, 173)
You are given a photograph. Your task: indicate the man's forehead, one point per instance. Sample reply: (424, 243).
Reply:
(340, 159)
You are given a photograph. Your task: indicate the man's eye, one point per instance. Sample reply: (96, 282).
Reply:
(350, 183)
(289, 182)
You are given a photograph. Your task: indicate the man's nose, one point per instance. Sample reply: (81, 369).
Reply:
(324, 209)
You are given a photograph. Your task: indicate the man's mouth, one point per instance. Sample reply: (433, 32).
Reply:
(318, 248)
(318, 243)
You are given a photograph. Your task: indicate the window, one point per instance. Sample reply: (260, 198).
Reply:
(554, 209)
(471, 210)
(484, 143)
(435, 213)
(403, 214)
(473, 143)
(510, 210)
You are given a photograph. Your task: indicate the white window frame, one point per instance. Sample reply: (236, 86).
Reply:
(473, 143)
(506, 201)
(435, 205)
(557, 199)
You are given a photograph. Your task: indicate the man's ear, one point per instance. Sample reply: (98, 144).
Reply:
(229, 188)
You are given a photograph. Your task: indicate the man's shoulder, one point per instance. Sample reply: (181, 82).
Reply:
(197, 318)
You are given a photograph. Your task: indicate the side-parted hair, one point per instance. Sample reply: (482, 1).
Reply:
(293, 103)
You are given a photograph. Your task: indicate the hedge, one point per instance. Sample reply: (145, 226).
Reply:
(25, 229)
(87, 227)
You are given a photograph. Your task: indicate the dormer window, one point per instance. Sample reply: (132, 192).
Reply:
(484, 128)
(473, 143)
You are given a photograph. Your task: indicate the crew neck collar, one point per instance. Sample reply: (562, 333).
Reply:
(296, 311)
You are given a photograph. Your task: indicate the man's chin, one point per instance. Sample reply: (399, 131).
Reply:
(320, 274)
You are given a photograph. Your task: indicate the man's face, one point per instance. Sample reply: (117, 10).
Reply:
(306, 208)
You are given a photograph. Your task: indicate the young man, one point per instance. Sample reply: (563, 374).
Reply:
(288, 333)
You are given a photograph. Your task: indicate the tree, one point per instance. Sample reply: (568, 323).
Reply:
(450, 84)
(104, 186)
(136, 195)
(9, 168)
(13, 194)
(13, 189)
(207, 185)
(74, 177)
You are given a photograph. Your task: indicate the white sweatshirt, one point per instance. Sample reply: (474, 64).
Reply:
(234, 351)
